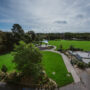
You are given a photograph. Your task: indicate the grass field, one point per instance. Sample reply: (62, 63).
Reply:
(7, 60)
(53, 62)
(85, 45)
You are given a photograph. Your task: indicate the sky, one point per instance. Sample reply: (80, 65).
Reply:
(46, 15)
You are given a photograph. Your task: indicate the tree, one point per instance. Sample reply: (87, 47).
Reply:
(3, 41)
(32, 35)
(9, 41)
(6, 42)
(28, 59)
(27, 38)
(71, 48)
(17, 29)
(61, 46)
(18, 32)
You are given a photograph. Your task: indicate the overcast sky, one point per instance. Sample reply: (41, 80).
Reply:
(46, 15)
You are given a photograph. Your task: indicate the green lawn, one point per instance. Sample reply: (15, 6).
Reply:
(66, 44)
(7, 60)
(53, 62)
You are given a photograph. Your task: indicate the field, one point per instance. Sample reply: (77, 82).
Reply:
(7, 60)
(53, 62)
(85, 45)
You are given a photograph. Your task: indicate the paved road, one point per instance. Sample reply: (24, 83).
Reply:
(85, 79)
(84, 84)
(75, 86)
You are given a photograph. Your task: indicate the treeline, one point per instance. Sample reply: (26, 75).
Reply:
(9, 39)
(66, 36)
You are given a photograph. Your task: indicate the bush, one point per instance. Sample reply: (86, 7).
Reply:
(89, 64)
(4, 68)
(60, 48)
(71, 47)
(50, 47)
(2, 75)
(74, 62)
(81, 65)
(75, 49)
(13, 77)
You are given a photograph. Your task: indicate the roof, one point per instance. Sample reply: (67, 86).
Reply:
(45, 41)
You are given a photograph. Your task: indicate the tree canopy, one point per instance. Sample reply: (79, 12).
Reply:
(18, 32)
(28, 59)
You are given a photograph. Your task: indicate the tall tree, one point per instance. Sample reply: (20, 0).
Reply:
(32, 35)
(18, 32)
(28, 59)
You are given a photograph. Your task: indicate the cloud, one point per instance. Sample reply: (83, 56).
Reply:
(46, 15)
(61, 22)
(80, 16)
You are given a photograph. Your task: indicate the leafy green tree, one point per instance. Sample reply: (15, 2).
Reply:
(3, 41)
(18, 32)
(28, 59)
(32, 34)
(9, 41)
(17, 29)
(27, 38)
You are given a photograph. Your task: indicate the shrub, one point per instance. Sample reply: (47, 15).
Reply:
(13, 77)
(60, 48)
(50, 47)
(2, 75)
(75, 49)
(74, 62)
(71, 47)
(89, 64)
(4, 68)
(81, 65)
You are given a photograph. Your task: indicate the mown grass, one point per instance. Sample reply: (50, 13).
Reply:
(85, 45)
(7, 60)
(53, 62)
